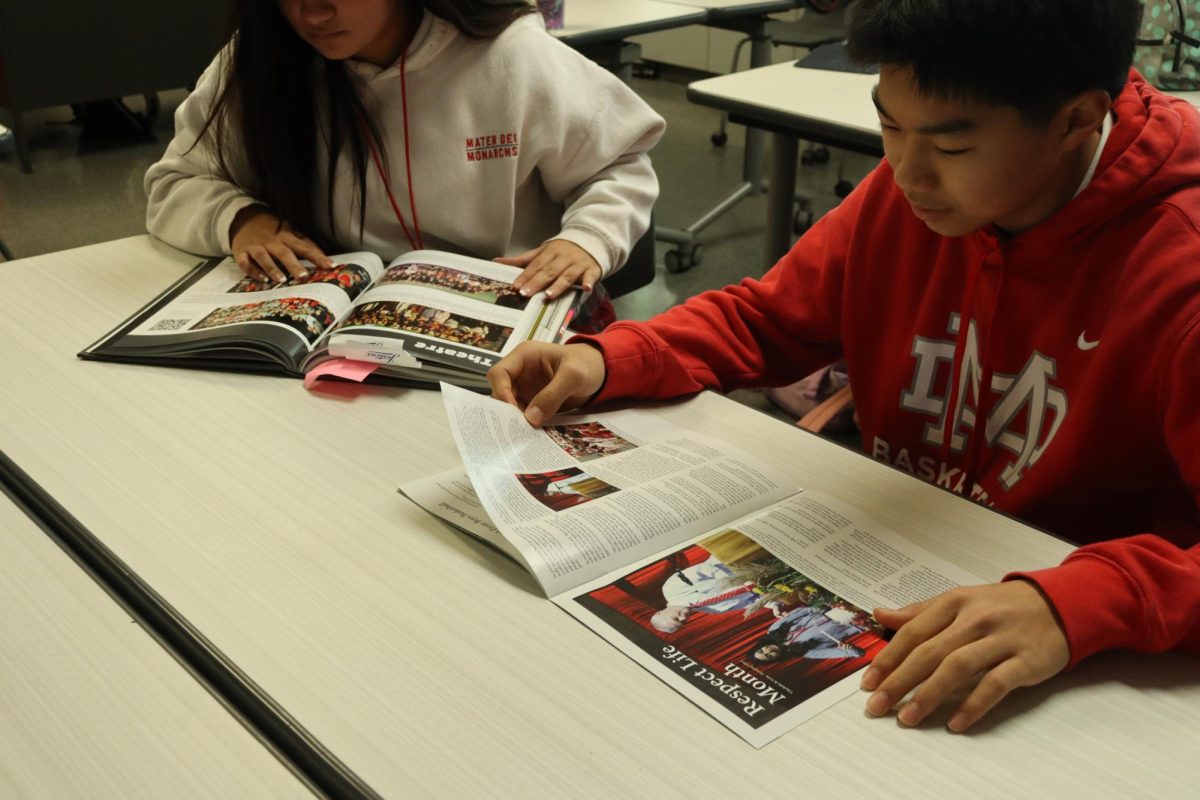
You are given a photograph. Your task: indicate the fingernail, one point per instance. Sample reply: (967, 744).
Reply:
(549, 295)
(878, 704)
(870, 678)
(534, 415)
(328, 262)
(910, 714)
(957, 723)
(524, 292)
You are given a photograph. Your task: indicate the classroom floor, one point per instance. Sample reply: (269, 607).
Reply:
(86, 189)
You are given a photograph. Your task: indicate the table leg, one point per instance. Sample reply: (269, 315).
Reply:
(781, 194)
(21, 136)
(756, 140)
(687, 254)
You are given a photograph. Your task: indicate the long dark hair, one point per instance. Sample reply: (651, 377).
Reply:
(268, 107)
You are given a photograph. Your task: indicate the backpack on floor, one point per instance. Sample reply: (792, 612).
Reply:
(1168, 45)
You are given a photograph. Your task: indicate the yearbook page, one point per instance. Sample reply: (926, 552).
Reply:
(428, 316)
(216, 309)
(447, 311)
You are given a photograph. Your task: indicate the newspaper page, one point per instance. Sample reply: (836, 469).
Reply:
(294, 313)
(590, 493)
(450, 310)
(764, 623)
(450, 496)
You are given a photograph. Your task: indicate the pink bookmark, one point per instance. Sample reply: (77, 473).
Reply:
(343, 368)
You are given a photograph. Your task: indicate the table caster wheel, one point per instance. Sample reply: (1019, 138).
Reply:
(681, 260)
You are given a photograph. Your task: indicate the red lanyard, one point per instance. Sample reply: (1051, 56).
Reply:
(414, 237)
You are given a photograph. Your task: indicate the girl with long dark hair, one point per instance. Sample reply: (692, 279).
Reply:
(393, 125)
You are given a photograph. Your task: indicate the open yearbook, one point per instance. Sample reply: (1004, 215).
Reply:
(426, 316)
(746, 594)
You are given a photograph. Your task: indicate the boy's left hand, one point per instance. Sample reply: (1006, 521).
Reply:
(555, 266)
(1007, 632)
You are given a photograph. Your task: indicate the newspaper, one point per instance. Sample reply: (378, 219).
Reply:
(745, 593)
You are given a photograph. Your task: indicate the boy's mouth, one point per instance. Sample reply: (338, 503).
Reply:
(925, 211)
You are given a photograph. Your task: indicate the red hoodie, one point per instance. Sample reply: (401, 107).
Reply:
(1085, 329)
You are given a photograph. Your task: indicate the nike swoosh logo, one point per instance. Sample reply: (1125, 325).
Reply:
(1083, 344)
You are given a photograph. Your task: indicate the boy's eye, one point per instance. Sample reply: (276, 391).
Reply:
(958, 152)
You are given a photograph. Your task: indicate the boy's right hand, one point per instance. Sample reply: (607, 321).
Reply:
(541, 378)
(262, 243)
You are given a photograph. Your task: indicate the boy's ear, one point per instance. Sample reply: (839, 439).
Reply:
(1082, 116)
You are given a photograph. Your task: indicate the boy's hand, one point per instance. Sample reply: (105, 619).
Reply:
(1006, 631)
(541, 378)
(262, 244)
(558, 264)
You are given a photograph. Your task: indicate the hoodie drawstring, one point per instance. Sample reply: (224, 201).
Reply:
(414, 237)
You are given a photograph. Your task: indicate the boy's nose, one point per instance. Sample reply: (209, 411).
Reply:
(913, 175)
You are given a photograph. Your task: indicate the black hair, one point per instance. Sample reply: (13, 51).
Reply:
(279, 97)
(1033, 55)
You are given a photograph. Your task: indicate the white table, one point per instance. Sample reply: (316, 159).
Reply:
(598, 28)
(794, 103)
(748, 17)
(587, 21)
(1191, 97)
(431, 666)
(720, 11)
(91, 706)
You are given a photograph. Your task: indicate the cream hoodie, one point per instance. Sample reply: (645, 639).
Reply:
(513, 141)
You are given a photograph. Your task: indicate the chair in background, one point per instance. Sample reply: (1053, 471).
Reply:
(639, 267)
(59, 52)
(823, 23)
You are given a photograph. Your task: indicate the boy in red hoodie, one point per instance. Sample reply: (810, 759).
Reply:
(1016, 292)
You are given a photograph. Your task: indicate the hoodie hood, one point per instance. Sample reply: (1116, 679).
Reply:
(1154, 149)
(433, 35)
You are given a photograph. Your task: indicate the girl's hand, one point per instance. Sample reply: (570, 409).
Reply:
(558, 265)
(262, 243)
(1006, 632)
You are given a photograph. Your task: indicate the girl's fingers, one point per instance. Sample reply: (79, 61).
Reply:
(563, 282)
(284, 256)
(250, 268)
(266, 263)
(304, 247)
